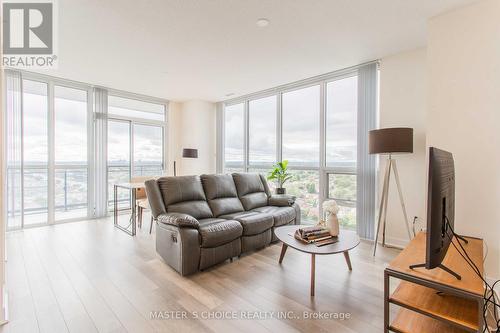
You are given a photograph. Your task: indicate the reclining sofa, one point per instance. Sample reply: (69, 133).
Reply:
(204, 220)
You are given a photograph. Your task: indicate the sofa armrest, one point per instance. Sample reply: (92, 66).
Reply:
(281, 200)
(155, 198)
(178, 220)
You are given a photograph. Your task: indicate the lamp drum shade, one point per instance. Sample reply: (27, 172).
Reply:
(190, 153)
(391, 140)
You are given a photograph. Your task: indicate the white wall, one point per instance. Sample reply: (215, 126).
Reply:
(173, 139)
(464, 114)
(403, 104)
(192, 125)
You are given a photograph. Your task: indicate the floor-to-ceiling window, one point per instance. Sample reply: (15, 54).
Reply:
(341, 146)
(70, 153)
(53, 135)
(301, 137)
(136, 134)
(35, 152)
(313, 126)
(262, 132)
(51, 146)
(118, 159)
(234, 135)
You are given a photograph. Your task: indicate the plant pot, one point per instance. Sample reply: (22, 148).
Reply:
(281, 190)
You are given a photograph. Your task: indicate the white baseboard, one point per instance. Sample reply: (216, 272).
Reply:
(399, 243)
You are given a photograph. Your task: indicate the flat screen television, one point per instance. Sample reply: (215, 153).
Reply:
(440, 205)
(440, 209)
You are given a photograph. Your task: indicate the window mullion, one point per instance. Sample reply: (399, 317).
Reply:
(246, 143)
(51, 154)
(90, 154)
(322, 147)
(279, 127)
(131, 151)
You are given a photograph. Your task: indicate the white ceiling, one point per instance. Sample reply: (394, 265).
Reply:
(205, 49)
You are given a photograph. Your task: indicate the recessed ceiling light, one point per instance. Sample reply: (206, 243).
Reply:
(229, 95)
(262, 22)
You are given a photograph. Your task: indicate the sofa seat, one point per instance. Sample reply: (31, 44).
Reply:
(215, 232)
(253, 222)
(281, 215)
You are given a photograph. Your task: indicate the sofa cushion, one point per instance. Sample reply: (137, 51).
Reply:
(218, 186)
(281, 215)
(180, 189)
(184, 195)
(247, 183)
(197, 209)
(225, 206)
(221, 194)
(215, 232)
(251, 190)
(253, 222)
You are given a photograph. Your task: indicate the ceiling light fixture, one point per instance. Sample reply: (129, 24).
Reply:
(229, 95)
(262, 22)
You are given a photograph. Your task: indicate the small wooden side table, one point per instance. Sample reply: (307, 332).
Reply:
(347, 241)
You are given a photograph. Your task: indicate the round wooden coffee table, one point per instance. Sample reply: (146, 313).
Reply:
(347, 241)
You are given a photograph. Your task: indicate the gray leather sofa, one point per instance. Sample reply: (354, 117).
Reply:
(204, 220)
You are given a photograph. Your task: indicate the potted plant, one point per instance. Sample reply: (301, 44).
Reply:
(280, 174)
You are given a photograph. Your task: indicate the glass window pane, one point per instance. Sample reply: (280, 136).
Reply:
(14, 198)
(70, 193)
(304, 184)
(35, 152)
(233, 169)
(265, 172)
(347, 215)
(341, 126)
(233, 136)
(262, 131)
(70, 112)
(301, 110)
(342, 188)
(135, 108)
(35, 122)
(35, 195)
(118, 160)
(148, 150)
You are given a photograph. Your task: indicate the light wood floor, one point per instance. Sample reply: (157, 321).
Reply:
(90, 277)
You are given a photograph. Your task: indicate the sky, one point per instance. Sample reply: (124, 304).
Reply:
(301, 126)
(70, 131)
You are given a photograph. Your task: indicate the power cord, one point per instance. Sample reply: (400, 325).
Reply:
(490, 289)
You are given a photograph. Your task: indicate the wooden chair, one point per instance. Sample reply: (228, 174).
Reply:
(141, 201)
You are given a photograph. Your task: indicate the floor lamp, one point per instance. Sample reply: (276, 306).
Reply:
(187, 153)
(390, 141)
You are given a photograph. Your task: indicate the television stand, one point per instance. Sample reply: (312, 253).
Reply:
(443, 267)
(462, 238)
(433, 300)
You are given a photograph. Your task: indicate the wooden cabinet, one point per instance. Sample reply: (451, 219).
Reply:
(433, 300)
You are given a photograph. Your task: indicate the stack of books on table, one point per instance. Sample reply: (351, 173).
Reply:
(317, 235)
